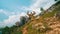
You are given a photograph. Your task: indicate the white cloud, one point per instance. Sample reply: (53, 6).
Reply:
(38, 4)
(49, 4)
(12, 19)
(7, 13)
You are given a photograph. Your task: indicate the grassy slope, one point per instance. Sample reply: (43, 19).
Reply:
(30, 29)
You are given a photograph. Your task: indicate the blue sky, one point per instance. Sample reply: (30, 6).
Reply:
(12, 6)
(11, 10)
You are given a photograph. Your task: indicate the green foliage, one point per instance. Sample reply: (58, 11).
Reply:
(55, 0)
(5, 30)
(50, 14)
(41, 9)
(23, 20)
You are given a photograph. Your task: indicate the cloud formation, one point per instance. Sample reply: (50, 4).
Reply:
(45, 4)
(12, 19)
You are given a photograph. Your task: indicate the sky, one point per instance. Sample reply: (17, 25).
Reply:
(12, 10)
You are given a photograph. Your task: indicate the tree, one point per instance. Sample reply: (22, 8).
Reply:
(41, 9)
(23, 20)
(6, 30)
(57, 0)
(17, 23)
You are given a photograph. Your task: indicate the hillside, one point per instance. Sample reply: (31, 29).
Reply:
(48, 23)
